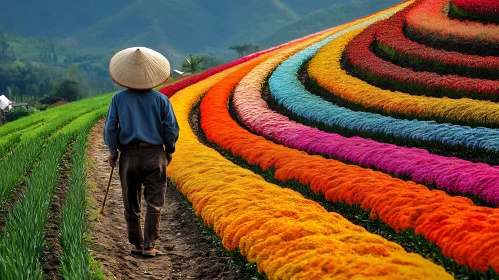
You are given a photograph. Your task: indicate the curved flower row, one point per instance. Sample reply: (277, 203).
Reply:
(485, 10)
(289, 237)
(374, 69)
(390, 36)
(489, 7)
(430, 19)
(325, 68)
(442, 219)
(170, 90)
(287, 90)
(451, 174)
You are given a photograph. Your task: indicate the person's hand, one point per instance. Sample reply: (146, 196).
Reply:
(169, 158)
(111, 159)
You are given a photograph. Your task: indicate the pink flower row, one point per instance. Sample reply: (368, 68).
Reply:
(450, 174)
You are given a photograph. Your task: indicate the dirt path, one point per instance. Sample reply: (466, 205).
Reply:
(189, 253)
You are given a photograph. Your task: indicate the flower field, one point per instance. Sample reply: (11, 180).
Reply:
(366, 151)
(477, 10)
(429, 21)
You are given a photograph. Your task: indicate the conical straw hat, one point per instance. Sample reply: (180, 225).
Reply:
(139, 68)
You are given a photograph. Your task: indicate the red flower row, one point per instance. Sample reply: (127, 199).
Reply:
(375, 69)
(390, 35)
(172, 89)
(485, 8)
(430, 20)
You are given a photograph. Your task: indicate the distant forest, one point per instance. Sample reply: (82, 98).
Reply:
(55, 43)
(31, 68)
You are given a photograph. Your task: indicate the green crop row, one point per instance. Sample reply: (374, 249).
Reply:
(75, 257)
(12, 141)
(49, 114)
(24, 155)
(21, 241)
(27, 151)
(13, 134)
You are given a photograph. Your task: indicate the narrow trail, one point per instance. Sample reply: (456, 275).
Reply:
(189, 253)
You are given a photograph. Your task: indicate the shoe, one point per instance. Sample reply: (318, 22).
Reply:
(137, 251)
(151, 252)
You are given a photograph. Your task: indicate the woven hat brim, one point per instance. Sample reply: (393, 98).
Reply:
(139, 68)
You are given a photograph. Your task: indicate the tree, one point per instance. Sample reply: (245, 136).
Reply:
(13, 92)
(49, 99)
(243, 50)
(73, 73)
(68, 90)
(34, 90)
(41, 88)
(192, 64)
(4, 45)
(210, 61)
(16, 113)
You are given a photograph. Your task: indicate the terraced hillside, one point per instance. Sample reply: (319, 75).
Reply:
(369, 150)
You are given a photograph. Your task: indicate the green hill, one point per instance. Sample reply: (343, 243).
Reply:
(179, 27)
(54, 40)
(322, 19)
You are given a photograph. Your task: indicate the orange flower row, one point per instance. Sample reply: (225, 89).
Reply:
(465, 232)
(289, 237)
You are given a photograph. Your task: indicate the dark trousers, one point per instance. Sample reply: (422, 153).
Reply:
(144, 166)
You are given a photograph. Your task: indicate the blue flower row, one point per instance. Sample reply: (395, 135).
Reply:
(288, 91)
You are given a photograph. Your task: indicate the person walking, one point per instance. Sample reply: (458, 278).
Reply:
(141, 124)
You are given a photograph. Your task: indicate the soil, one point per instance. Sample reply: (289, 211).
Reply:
(190, 253)
(52, 255)
(17, 194)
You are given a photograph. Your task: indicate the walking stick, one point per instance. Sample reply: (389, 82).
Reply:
(107, 191)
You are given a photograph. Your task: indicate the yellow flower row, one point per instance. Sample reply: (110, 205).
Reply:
(325, 68)
(288, 236)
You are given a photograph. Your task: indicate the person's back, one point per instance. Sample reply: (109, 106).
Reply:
(142, 125)
(144, 116)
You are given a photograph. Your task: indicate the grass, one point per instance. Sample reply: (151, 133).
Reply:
(25, 51)
(24, 149)
(96, 269)
(75, 257)
(22, 239)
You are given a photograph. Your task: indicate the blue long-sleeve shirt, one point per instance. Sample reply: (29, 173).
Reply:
(140, 116)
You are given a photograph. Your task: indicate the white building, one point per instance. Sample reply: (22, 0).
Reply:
(5, 103)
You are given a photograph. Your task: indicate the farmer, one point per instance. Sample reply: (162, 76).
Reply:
(142, 125)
